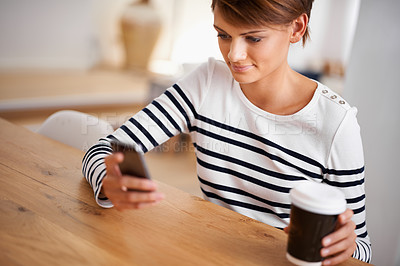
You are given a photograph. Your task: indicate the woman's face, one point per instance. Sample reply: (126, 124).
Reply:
(253, 54)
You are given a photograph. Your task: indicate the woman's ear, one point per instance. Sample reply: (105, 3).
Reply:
(299, 26)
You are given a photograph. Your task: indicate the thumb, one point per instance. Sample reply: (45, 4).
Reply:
(112, 162)
(286, 229)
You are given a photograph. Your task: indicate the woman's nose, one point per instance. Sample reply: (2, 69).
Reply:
(237, 51)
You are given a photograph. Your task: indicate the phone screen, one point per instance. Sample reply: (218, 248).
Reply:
(133, 163)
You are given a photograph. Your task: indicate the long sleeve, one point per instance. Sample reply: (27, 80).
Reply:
(346, 171)
(166, 116)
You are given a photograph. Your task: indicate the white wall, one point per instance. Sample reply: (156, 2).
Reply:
(373, 85)
(47, 34)
(332, 25)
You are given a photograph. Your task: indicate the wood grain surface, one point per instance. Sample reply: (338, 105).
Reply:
(48, 216)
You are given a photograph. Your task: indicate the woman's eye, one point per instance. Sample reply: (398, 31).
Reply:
(223, 36)
(253, 39)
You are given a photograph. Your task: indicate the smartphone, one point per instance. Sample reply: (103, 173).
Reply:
(134, 163)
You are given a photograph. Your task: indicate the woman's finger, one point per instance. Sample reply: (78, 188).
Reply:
(139, 197)
(121, 206)
(287, 229)
(340, 257)
(137, 183)
(340, 246)
(345, 217)
(343, 232)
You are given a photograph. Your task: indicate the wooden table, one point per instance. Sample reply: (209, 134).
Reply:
(48, 216)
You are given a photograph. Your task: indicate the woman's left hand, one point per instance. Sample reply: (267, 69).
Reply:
(340, 245)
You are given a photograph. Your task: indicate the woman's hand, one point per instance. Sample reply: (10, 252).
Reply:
(340, 245)
(118, 188)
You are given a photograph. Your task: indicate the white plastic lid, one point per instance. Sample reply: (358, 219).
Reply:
(318, 198)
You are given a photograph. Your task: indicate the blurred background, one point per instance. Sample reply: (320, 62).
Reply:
(124, 51)
(110, 58)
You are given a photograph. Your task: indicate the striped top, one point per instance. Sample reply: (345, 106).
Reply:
(249, 159)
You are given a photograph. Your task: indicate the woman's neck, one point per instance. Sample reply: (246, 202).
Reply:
(282, 93)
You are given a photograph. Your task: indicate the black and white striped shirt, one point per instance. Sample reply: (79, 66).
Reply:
(249, 159)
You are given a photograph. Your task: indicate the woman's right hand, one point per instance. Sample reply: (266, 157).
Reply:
(128, 192)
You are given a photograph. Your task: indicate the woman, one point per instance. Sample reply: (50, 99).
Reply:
(259, 129)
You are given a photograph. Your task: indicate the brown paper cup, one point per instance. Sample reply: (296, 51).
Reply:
(314, 210)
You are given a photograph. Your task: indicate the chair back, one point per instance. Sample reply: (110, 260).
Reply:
(79, 130)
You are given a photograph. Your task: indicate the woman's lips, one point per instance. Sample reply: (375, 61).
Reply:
(239, 68)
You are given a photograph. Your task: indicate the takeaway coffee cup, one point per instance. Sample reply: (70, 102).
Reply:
(314, 210)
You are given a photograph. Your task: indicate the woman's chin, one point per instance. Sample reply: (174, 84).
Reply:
(242, 80)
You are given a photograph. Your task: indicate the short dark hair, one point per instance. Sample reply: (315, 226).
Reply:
(264, 12)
